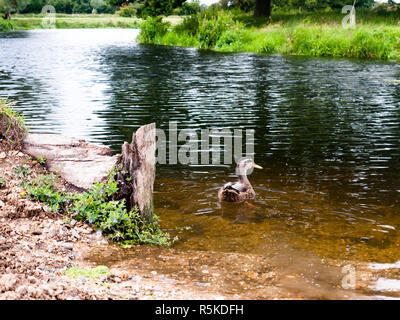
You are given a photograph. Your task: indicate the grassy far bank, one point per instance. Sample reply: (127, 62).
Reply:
(376, 36)
(63, 21)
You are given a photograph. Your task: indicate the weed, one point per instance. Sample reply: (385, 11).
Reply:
(22, 171)
(97, 208)
(41, 159)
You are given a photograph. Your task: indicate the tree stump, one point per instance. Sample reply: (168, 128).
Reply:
(136, 170)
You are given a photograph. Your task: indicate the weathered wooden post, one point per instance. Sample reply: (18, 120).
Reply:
(137, 167)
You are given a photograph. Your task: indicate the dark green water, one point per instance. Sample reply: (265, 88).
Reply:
(327, 133)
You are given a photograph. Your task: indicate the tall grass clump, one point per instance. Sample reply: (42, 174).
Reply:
(12, 124)
(152, 29)
(363, 42)
(318, 34)
(213, 25)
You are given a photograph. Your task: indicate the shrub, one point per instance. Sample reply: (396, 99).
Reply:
(127, 11)
(12, 124)
(151, 28)
(229, 41)
(41, 159)
(76, 272)
(189, 26)
(97, 208)
(6, 25)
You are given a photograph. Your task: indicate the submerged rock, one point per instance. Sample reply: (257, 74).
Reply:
(78, 162)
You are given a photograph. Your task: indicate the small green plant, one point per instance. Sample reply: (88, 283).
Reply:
(41, 159)
(22, 171)
(2, 183)
(44, 189)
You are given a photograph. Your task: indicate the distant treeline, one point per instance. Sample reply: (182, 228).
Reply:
(135, 7)
(308, 5)
(61, 6)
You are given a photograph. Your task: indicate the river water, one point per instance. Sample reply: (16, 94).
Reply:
(326, 131)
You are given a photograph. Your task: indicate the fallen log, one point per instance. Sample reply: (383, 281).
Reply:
(81, 164)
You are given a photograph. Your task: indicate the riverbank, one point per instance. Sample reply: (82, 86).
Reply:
(318, 34)
(76, 21)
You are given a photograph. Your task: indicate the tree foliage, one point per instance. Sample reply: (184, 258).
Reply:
(189, 8)
(61, 6)
(151, 8)
(249, 5)
(13, 5)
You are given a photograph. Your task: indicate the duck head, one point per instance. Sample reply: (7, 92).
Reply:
(245, 166)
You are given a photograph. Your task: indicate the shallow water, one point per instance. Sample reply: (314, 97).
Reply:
(327, 133)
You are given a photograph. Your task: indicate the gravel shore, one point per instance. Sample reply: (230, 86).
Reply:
(38, 247)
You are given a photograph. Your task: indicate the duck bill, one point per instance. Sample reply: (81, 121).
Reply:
(257, 166)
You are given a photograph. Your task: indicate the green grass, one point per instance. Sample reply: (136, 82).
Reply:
(6, 25)
(76, 272)
(317, 34)
(63, 21)
(77, 21)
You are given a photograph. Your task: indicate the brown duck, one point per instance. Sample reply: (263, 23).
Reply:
(241, 190)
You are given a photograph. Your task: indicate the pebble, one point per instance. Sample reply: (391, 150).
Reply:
(67, 245)
(98, 234)
(3, 155)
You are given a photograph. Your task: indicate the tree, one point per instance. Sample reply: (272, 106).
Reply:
(11, 6)
(262, 9)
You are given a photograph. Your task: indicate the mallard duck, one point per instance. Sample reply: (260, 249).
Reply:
(242, 190)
